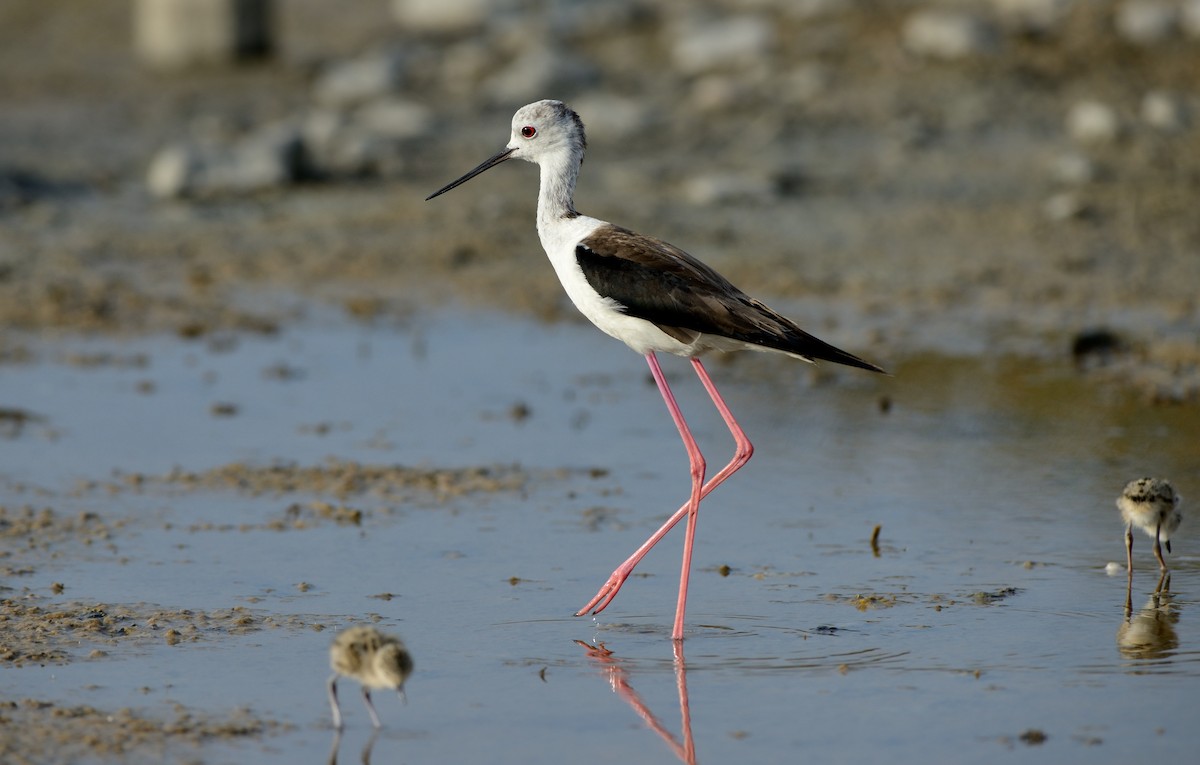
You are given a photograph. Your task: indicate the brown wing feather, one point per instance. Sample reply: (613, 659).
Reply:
(684, 297)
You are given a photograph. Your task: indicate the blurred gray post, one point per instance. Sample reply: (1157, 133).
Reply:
(178, 34)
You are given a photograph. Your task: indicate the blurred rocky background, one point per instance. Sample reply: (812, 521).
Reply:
(959, 177)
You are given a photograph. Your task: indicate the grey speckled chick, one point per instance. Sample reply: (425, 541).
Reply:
(1152, 505)
(374, 659)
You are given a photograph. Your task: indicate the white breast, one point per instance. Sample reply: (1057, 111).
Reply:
(559, 239)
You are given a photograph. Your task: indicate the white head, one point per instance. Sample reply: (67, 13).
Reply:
(544, 128)
(392, 666)
(544, 131)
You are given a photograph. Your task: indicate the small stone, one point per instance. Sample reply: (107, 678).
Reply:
(1146, 22)
(1189, 18)
(1163, 111)
(1064, 206)
(1073, 168)
(611, 117)
(948, 35)
(1093, 122)
(538, 71)
(172, 171)
(589, 21)
(395, 118)
(1031, 16)
(268, 158)
(442, 16)
(361, 79)
(805, 84)
(465, 65)
(738, 42)
(721, 188)
(806, 10)
(718, 93)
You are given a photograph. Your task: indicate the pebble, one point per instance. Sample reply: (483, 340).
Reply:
(335, 147)
(269, 158)
(371, 143)
(718, 93)
(611, 118)
(805, 84)
(1073, 168)
(1093, 122)
(539, 71)
(736, 42)
(394, 118)
(1065, 205)
(588, 20)
(948, 35)
(723, 188)
(361, 79)
(1189, 18)
(1163, 111)
(443, 16)
(1032, 16)
(806, 10)
(1146, 22)
(172, 171)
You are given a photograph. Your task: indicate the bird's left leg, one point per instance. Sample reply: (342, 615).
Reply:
(1129, 549)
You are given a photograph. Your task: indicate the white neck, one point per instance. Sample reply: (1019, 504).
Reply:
(559, 173)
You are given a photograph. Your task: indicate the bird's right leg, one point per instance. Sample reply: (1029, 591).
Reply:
(742, 453)
(1162, 564)
(333, 702)
(371, 707)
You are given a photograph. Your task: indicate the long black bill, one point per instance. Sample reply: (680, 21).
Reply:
(486, 165)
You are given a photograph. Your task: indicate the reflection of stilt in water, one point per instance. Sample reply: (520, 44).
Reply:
(1150, 634)
(619, 680)
(364, 757)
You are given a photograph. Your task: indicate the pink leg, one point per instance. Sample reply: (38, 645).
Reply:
(742, 453)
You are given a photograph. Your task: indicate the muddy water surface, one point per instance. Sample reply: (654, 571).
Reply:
(186, 525)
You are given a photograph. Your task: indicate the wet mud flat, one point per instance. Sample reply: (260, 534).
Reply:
(187, 582)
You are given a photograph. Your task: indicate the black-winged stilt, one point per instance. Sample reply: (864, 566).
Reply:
(650, 295)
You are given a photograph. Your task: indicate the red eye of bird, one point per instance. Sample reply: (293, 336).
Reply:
(529, 131)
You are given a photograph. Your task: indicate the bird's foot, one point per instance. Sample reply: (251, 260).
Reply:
(606, 593)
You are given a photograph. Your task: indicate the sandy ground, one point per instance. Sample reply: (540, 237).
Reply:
(907, 213)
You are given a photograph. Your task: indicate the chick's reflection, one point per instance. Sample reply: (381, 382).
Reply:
(1149, 633)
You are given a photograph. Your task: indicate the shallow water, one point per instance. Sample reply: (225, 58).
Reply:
(985, 614)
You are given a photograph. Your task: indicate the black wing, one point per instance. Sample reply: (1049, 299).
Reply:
(662, 284)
